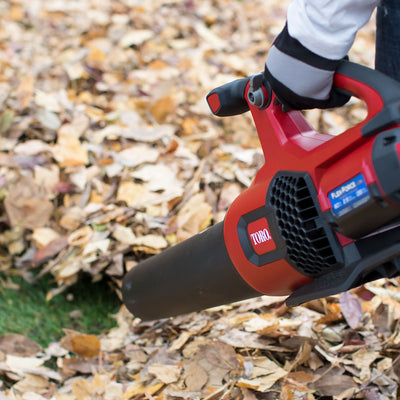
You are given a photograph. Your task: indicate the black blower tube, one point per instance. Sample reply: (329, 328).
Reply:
(191, 276)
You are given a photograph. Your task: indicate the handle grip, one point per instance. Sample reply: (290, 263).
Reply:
(190, 276)
(380, 93)
(229, 99)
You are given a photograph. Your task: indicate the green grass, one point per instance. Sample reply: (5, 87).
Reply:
(26, 311)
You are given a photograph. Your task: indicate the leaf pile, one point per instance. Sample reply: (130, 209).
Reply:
(109, 154)
(108, 147)
(343, 347)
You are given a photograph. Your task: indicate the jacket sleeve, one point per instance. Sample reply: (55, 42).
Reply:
(328, 27)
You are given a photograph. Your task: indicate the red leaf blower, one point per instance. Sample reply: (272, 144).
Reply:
(321, 216)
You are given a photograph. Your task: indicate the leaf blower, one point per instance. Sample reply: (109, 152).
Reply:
(321, 216)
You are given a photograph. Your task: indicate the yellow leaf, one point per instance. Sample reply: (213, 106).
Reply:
(131, 193)
(24, 92)
(96, 57)
(81, 236)
(138, 388)
(162, 108)
(157, 64)
(69, 152)
(153, 241)
(188, 125)
(195, 216)
(43, 236)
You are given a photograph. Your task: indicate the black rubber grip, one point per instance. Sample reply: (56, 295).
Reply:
(190, 276)
(387, 88)
(229, 99)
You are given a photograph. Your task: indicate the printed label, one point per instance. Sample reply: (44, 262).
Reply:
(349, 196)
(260, 236)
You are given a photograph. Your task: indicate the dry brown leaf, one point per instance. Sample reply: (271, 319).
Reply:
(80, 237)
(25, 91)
(47, 252)
(334, 383)
(18, 345)
(135, 37)
(194, 217)
(44, 236)
(351, 309)
(141, 388)
(196, 377)
(218, 360)
(32, 383)
(265, 374)
(69, 152)
(154, 241)
(363, 359)
(162, 108)
(87, 346)
(26, 206)
(131, 193)
(165, 373)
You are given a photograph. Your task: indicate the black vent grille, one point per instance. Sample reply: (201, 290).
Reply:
(307, 243)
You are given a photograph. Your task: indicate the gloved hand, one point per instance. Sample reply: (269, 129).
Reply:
(300, 78)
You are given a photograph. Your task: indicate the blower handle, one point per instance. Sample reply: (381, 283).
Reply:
(191, 276)
(379, 91)
(229, 99)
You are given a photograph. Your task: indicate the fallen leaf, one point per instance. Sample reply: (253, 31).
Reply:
(264, 376)
(165, 373)
(194, 217)
(44, 236)
(18, 345)
(351, 309)
(162, 108)
(124, 234)
(363, 359)
(334, 383)
(153, 241)
(131, 193)
(87, 346)
(196, 377)
(32, 383)
(25, 91)
(26, 205)
(136, 155)
(140, 388)
(135, 37)
(48, 251)
(69, 152)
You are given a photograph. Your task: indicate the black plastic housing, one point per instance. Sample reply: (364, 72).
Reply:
(190, 276)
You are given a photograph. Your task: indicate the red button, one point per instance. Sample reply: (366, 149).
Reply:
(213, 102)
(260, 236)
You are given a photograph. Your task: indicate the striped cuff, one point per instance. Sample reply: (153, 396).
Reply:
(304, 72)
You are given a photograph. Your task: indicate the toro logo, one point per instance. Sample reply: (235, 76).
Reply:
(260, 236)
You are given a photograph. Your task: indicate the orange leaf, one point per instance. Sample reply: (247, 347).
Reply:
(86, 345)
(162, 108)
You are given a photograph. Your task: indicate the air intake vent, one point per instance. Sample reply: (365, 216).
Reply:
(301, 226)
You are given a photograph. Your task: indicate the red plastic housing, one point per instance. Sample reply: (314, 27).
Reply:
(289, 143)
